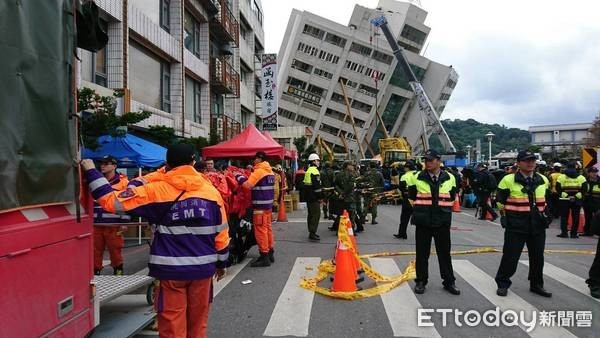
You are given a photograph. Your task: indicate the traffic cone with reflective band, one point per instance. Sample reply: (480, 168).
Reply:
(456, 206)
(581, 221)
(281, 214)
(359, 271)
(344, 276)
(569, 221)
(488, 215)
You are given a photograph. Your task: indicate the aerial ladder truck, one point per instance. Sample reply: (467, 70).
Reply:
(430, 121)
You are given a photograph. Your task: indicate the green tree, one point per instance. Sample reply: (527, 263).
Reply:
(98, 116)
(303, 149)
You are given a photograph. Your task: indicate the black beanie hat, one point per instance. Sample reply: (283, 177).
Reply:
(180, 154)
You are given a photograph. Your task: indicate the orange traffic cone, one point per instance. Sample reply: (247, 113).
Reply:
(581, 221)
(569, 221)
(281, 214)
(488, 215)
(345, 273)
(357, 268)
(456, 206)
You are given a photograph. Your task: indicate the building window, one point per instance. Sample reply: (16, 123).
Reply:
(339, 98)
(322, 73)
(368, 90)
(451, 83)
(355, 67)
(302, 66)
(257, 11)
(316, 90)
(383, 57)
(145, 76)
(193, 95)
(335, 40)
(192, 34)
(329, 129)
(348, 83)
(413, 34)
(392, 110)
(444, 96)
(287, 114)
(361, 106)
(310, 50)
(360, 49)
(328, 57)
(165, 87)
(306, 121)
(400, 79)
(408, 47)
(313, 31)
(377, 75)
(292, 81)
(165, 17)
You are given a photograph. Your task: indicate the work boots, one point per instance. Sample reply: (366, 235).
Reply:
(272, 255)
(261, 261)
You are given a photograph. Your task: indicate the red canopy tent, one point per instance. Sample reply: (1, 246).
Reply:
(289, 154)
(245, 145)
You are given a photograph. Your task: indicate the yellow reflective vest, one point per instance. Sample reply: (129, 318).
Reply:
(432, 205)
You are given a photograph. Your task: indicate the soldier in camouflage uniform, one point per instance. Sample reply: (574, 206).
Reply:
(375, 182)
(327, 182)
(344, 189)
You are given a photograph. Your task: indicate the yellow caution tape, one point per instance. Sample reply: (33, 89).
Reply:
(385, 283)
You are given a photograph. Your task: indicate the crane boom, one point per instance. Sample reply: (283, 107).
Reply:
(431, 122)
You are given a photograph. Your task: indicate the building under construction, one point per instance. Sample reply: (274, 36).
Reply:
(318, 55)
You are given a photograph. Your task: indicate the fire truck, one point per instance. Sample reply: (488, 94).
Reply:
(46, 213)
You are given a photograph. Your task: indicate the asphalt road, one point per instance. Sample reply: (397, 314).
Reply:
(273, 304)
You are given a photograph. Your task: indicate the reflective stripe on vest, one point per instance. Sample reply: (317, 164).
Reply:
(518, 201)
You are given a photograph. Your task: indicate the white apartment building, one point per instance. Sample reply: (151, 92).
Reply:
(557, 138)
(190, 62)
(317, 53)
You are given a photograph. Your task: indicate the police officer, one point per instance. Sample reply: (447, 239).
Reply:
(569, 187)
(521, 198)
(406, 180)
(314, 195)
(376, 183)
(433, 192)
(483, 184)
(343, 185)
(591, 199)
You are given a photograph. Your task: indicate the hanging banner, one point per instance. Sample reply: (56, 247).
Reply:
(269, 92)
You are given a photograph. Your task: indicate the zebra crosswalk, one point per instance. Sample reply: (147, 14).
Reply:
(291, 313)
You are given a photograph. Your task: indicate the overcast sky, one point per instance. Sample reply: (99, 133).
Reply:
(520, 62)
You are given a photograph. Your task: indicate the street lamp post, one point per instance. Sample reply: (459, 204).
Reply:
(490, 136)
(468, 154)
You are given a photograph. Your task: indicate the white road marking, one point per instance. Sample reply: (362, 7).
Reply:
(571, 280)
(401, 304)
(229, 276)
(486, 286)
(291, 315)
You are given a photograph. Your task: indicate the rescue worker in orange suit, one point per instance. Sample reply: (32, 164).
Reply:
(106, 231)
(262, 184)
(191, 237)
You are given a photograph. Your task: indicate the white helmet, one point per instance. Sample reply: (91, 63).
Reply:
(557, 164)
(313, 157)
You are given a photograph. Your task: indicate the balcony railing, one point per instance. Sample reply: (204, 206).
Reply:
(223, 77)
(224, 23)
(225, 127)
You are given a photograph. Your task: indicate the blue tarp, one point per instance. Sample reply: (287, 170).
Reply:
(130, 151)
